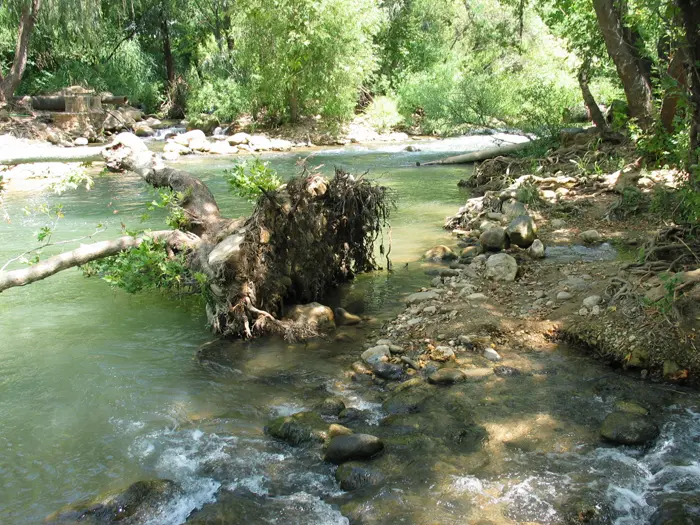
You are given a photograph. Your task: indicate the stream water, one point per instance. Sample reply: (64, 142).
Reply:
(99, 389)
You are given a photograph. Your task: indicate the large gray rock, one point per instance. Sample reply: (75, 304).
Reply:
(185, 139)
(501, 267)
(522, 231)
(626, 428)
(537, 250)
(388, 371)
(376, 354)
(342, 449)
(494, 240)
(314, 314)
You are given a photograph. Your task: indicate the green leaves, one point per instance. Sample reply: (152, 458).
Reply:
(250, 179)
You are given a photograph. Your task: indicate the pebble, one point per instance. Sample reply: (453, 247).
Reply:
(429, 310)
(443, 353)
(583, 311)
(476, 297)
(447, 376)
(564, 296)
(376, 354)
(491, 354)
(591, 237)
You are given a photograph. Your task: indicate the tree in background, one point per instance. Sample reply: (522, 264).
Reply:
(29, 13)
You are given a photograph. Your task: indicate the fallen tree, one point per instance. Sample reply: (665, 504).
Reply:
(476, 156)
(51, 154)
(301, 240)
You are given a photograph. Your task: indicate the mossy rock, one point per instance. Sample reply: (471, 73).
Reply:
(298, 429)
(126, 507)
(355, 476)
(629, 429)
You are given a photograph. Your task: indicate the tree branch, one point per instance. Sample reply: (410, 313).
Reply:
(77, 257)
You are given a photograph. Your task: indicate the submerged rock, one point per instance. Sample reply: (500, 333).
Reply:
(440, 253)
(298, 429)
(354, 476)
(501, 267)
(627, 428)
(315, 315)
(355, 446)
(345, 318)
(447, 376)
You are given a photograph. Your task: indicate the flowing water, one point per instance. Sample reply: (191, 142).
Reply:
(99, 389)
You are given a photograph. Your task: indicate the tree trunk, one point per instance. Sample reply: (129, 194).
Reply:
(9, 83)
(630, 68)
(168, 54)
(690, 10)
(594, 112)
(676, 71)
(476, 156)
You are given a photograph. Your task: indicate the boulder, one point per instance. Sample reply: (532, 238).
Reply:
(537, 250)
(221, 147)
(440, 253)
(298, 429)
(143, 130)
(238, 138)
(447, 376)
(201, 145)
(522, 231)
(494, 240)
(591, 237)
(627, 428)
(342, 449)
(376, 354)
(331, 406)
(345, 318)
(185, 139)
(354, 476)
(592, 300)
(173, 147)
(314, 314)
(501, 267)
(259, 142)
(280, 145)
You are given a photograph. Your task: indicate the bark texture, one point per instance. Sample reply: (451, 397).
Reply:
(9, 82)
(594, 112)
(676, 71)
(630, 67)
(690, 10)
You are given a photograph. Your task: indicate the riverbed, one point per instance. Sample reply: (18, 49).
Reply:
(101, 389)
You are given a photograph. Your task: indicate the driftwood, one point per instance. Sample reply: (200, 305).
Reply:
(476, 156)
(301, 240)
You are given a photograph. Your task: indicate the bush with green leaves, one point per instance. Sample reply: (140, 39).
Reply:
(250, 179)
(383, 115)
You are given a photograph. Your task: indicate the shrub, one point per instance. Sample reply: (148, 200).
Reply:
(383, 114)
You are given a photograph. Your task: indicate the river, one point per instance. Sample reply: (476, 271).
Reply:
(99, 389)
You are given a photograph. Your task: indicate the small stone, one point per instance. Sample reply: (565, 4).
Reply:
(564, 296)
(591, 301)
(476, 297)
(355, 476)
(420, 297)
(440, 253)
(557, 224)
(491, 354)
(387, 342)
(355, 446)
(595, 310)
(376, 354)
(537, 250)
(81, 141)
(447, 376)
(591, 237)
(430, 310)
(396, 349)
(443, 353)
(494, 240)
(465, 339)
(583, 311)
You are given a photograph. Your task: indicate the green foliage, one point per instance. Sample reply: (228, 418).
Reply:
(680, 204)
(632, 202)
(221, 97)
(170, 200)
(541, 108)
(147, 267)
(250, 179)
(307, 56)
(529, 194)
(383, 114)
(669, 281)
